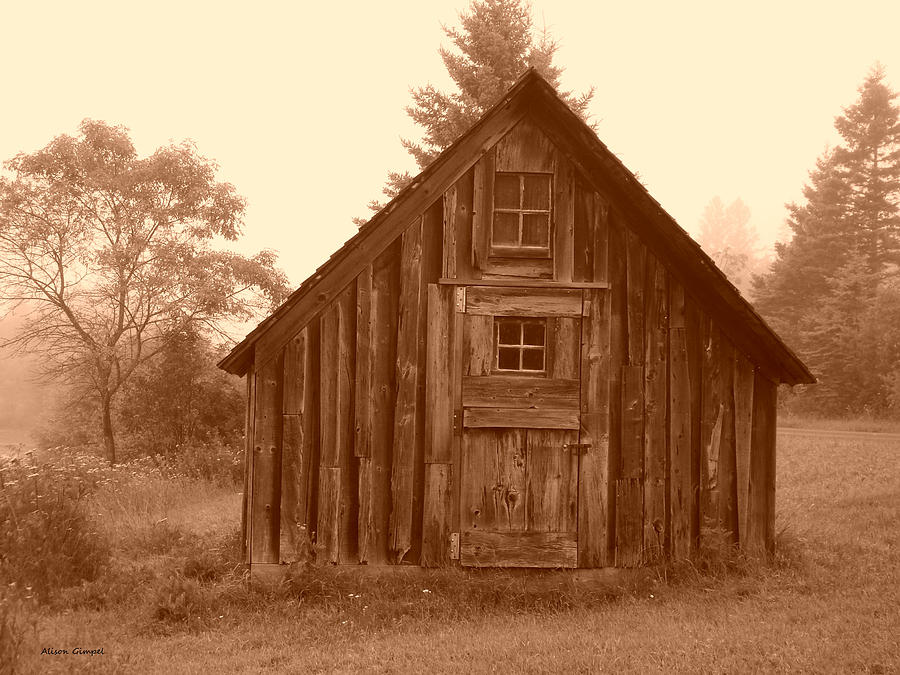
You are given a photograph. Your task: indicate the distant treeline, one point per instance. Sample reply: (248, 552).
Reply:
(833, 291)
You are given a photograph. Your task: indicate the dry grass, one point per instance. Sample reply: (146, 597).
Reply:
(828, 603)
(857, 423)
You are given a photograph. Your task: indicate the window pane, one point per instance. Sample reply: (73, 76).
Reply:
(537, 192)
(508, 358)
(533, 359)
(510, 333)
(534, 334)
(536, 229)
(506, 229)
(506, 191)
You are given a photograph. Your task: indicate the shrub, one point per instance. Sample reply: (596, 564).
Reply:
(49, 541)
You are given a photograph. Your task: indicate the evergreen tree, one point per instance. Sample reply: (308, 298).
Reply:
(832, 289)
(834, 348)
(870, 157)
(494, 44)
(822, 238)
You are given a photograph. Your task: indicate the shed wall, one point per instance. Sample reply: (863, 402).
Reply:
(349, 457)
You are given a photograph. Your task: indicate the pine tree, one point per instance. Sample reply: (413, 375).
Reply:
(831, 290)
(871, 159)
(833, 347)
(822, 239)
(494, 44)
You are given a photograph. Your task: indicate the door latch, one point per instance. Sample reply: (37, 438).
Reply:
(578, 448)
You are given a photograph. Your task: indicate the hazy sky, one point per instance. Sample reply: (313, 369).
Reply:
(302, 107)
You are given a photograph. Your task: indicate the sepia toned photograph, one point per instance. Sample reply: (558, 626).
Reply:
(468, 336)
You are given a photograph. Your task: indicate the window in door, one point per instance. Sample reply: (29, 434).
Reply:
(520, 345)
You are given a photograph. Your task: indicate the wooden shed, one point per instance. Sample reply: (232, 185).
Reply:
(521, 361)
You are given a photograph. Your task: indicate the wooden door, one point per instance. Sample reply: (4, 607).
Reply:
(521, 356)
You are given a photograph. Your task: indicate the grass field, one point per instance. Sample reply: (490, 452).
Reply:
(829, 602)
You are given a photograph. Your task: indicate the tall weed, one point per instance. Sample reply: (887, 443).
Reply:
(49, 540)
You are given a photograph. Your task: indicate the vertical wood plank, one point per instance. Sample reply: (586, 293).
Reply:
(727, 458)
(694, 338)
(632, 422)
(635, 257)
(384, 309)
(456, 375)
(448, 249)
(294, 533)
(484, 205)
(618, 358)
(405, 417)
(430, 272)
(712, 423)
(719, 483)
(655, 408)
(465, 208)
(551, 481)
(494, 483)
(328, 528)
(436, 518)
(743, 424)
(265, 527)
(478, 344)
(600, 230)
(629, 530)
(583, 245)
(439, 405)
(565, 347)
(337, 425)
(346, 302)
(564, 220)
(249, 440)
(293, 513)
(681, 391)
(594, 526)
(328, 386)
(760, 531)
(367, 531)
(294, 361)
(362, 410)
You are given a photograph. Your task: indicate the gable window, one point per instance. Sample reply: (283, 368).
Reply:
(521, 345)
(521, 223)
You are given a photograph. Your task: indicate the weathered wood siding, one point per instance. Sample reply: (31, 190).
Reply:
(356, 426)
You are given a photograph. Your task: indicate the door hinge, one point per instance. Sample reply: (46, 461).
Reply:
(461, 299)
(454, 546)
(457, 422)
(578, 448)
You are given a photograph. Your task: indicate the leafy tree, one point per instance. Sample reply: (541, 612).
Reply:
(494, 44)
(181, 398)
(111, 255)
(730, 240)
